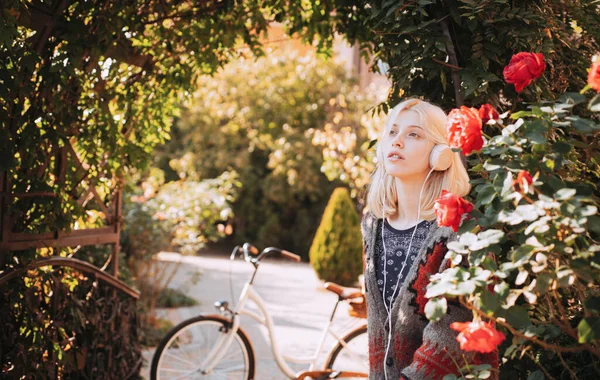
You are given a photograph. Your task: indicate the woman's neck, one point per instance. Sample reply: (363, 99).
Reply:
(408, 204)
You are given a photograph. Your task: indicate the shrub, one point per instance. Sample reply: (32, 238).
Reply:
(170, 297)
(532, 240)
(336, 250)
(290, 148)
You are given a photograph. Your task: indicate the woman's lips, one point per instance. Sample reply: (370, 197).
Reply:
(395, 157)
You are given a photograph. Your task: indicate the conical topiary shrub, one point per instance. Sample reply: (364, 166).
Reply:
(336, 251)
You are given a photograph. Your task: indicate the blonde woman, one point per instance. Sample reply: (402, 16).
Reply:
(403, 246)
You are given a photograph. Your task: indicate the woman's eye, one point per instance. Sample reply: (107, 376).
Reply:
(392, 132)
(414, 134)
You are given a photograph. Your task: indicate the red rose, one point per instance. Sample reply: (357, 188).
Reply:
(487, 113)
(522, 178)
(477, 336)
(449, 209)
(523, 68)
(463, 127)
(594, 76)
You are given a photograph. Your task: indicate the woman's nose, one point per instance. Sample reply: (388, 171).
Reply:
(397, 141)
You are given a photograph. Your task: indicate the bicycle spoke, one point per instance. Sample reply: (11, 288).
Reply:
(227, 370)
(184, 353)
(351, 353)
(177, 371)
(231, 354)
(181, 360)
(185, 376)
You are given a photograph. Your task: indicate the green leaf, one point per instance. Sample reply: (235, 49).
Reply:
(592, 304)
(467, 226)
(463, 288)
(572, 98)
(521, 114)
(561, 147)
(566, 193)
(502, 289)
(436, 308)
(535, 131)
(593, 223)
(582, 125)
(594, 104)
(372, 143)
(489, 302)
(486, 195)
(555, 182)
(536, 375)
(588, 210)
(450, 377)
(543, 282)
(589, 329)
(522, 253)
(517, 317)
(491, 236)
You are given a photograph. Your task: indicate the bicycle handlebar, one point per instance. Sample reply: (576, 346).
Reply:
(249, 249)
(289, 255)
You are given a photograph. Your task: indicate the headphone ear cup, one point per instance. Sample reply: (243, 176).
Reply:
(440, 158)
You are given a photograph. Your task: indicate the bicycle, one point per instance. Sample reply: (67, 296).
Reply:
(216, 347)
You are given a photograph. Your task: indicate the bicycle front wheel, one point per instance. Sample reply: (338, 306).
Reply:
(352, 354)
(182, 351)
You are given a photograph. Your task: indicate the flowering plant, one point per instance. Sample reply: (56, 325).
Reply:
(527, 258)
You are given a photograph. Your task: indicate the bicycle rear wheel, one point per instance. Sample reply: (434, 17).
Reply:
(181, 352)
(354, 357)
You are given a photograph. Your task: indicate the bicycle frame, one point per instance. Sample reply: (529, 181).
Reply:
(248, 293)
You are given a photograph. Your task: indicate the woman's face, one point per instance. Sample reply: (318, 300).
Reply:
(406, 148)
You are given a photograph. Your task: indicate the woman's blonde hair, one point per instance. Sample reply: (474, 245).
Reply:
(383, 186)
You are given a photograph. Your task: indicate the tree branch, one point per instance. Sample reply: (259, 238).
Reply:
(459, 99)
(446, 64)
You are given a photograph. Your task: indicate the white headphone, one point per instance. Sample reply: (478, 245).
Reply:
(440, 159)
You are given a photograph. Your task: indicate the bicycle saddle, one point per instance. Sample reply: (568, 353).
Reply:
(342, 291)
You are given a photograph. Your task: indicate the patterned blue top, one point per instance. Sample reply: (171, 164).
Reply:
(396, 245)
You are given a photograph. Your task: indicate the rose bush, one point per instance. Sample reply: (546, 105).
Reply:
(527, 258)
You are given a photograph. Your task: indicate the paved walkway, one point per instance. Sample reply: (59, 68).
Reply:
(299, 305)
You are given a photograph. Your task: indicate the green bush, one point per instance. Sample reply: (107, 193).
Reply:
(336, 251)
(170, 297)
(290, 147)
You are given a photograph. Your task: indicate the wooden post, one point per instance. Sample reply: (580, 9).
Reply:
(117, 225)
(4, 225)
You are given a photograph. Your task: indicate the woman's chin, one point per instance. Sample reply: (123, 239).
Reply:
(405, 175)
(399, 174)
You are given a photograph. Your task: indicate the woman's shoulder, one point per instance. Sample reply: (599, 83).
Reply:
(368, 225)
(369, 220)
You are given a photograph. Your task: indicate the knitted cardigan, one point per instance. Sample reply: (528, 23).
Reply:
(420, 350)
